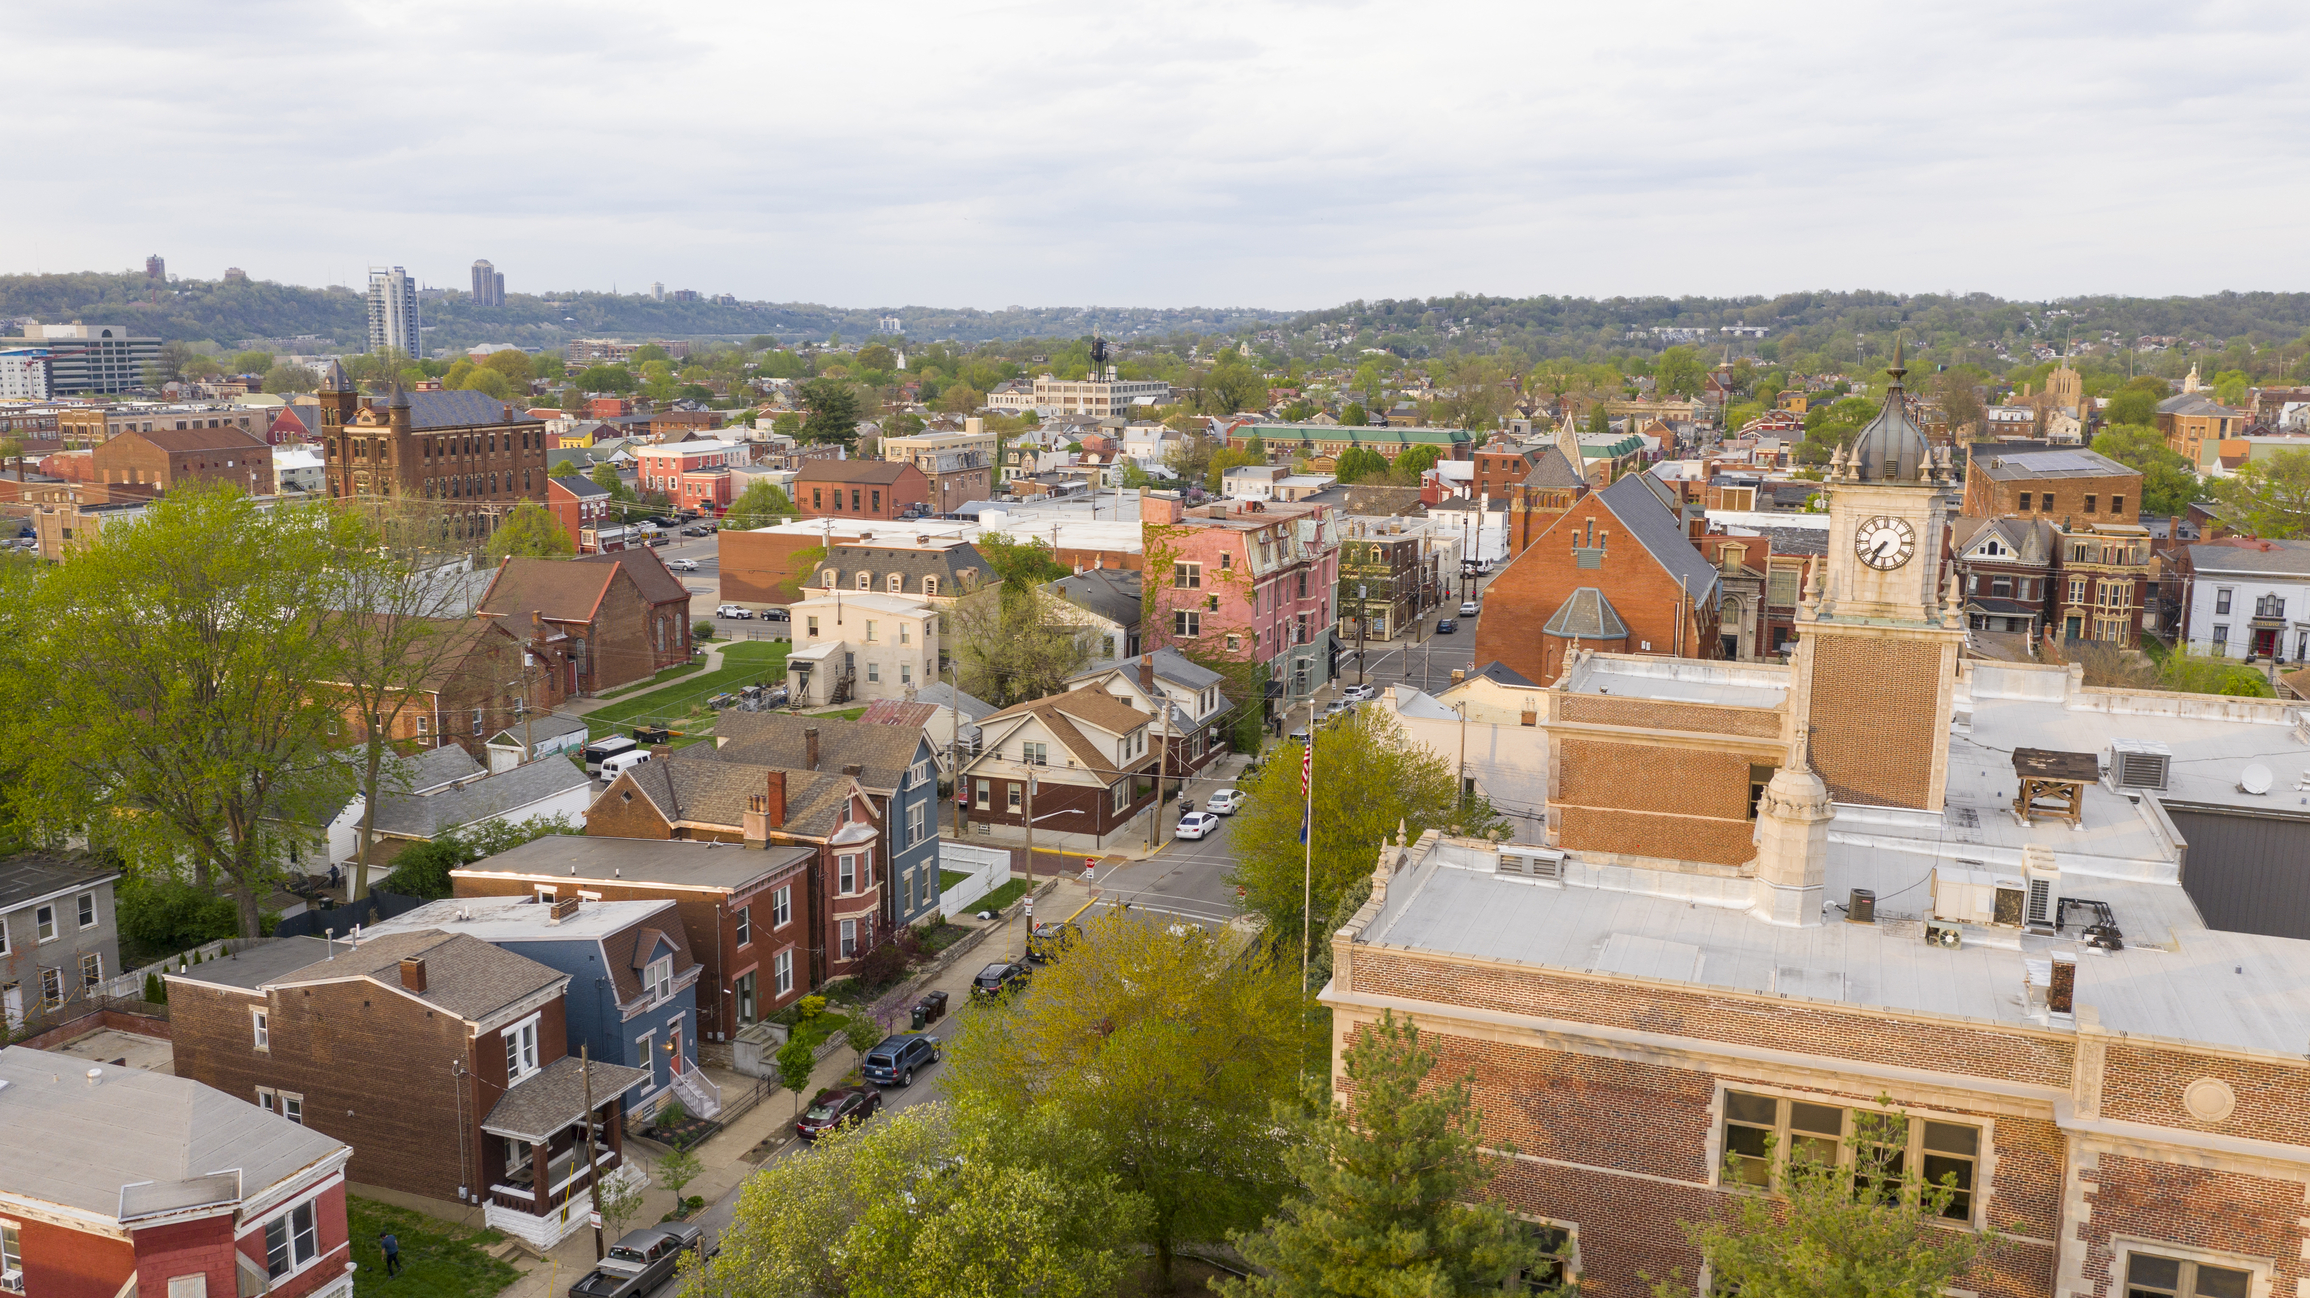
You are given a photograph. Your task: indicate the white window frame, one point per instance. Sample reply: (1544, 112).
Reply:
(914, 823)
(12, 1252)
(300, 1244)
(91, 969)
(261, 1029)
(849, 939)
(3, 935)
(2258, 1271)
(292, 1106)
(658, 979)
(782, 907)
(846, 875)
(1984, 1155)
(1569, 1281)
(745, 916)
(87, 907)
(521, 1052)
(782, 971)
(44, 923)
(51, 976)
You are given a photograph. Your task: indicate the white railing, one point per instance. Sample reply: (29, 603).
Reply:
(699, 1090)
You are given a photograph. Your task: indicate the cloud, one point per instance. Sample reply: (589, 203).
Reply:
(1244, 153)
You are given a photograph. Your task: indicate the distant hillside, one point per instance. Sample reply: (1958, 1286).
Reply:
(231, 312)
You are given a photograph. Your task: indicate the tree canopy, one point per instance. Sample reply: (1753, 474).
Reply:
(530, 532)
(834, 407)
(2169, 483)
(762, 504)
(2269, 498)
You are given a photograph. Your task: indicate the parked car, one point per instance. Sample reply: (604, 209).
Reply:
(1359, 693)
(1048, 941)
(1196, 824)
(1446, 626)
(693, 531)
(1467, 608)
(682, 565)
(638, 1263)
(836, 1108)
(894, 1062)
(1000, 979)
(734, 613)
(775, 615)
(1223, 802)
(1337, 708)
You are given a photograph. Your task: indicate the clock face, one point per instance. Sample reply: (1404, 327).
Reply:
(1885, 543)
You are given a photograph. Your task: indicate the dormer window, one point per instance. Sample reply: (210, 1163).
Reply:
(866, 581)
(896, 583)
(930, 586)
(826, 579)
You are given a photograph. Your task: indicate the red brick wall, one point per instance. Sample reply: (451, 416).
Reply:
(329, 1225)
(186, 1248)
(2201, 1207)
(1537, 581)
(1873, 717)
(710, 929)
(69, 1264)
(1609, 795)
(2145, 1084)
(759, 567)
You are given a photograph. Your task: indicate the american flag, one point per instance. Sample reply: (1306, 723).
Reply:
(1306, 778)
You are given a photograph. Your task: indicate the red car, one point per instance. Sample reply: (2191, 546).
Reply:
(838, 1107)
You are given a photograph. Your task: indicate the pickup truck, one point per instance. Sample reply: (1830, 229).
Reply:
(639, 1263)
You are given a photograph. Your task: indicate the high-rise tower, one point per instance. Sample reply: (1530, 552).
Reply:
(488, 284)
(393, 311)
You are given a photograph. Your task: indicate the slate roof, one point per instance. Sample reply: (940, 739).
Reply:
(464, 976)
(1169, 664)
(180, 440)
(623, 934)
(1797, 540)
(562, 589)
(2027, 540)
(576, 484)
(1587, 615)
(554, 1098)
(652, 577)
(1551, 469)
(947, 563)
(2197, 403)
(129, 1126)
(1111, 593)
(2241, 554)
(1499, 673)
(544, 726)
(488, 798)
(27, 875)
(775, 739)
(710, 791)
(464, 408)
(1651, 525)
(943, 696)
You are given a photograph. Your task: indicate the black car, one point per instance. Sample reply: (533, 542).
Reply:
(836, 1108)
(1000, 979)
(895, 1061)
(1446, 626)
(693, 531)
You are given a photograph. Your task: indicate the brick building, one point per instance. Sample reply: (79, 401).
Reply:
(1389, 577)
(1334, 440)
(2101, 589)
(2005, 569)
(736, 909)
(661, 469)
(837, 887)
(171, 458)
(485, 677)
(2069, 487)
(466, 1092)
(582, 507)
(1081, 765)
(2195, 425)
(1246, 580)
(1761, 570)
(1626, 544)
(862, 489)
(960, 465)
(123, 1181)
(603, 620)
(473, 457)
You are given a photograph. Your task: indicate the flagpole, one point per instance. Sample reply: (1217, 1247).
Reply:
(1307, 840)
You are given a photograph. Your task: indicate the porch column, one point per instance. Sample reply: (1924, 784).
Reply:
(540, 1176)
(615, 1124)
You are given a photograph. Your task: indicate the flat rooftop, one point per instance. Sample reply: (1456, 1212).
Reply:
(1683, 680)
(521, 919)
(713, 867)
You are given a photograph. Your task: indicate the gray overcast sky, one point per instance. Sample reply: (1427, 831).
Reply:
(1189, 152)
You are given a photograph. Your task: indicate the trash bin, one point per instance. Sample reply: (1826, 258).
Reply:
(921, 1017)
(930, 1009)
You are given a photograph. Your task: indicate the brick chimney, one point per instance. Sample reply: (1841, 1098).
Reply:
(754, 827)
(1147, 674)
(774, 801)
(854, 771)
(1159, 507)
(2061, 993)
(809, 749)
(413, 973)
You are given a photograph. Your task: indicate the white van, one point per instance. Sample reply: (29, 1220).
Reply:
(601, 751)
(612, 767)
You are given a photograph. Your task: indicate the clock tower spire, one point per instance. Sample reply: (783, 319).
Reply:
(1877, 646)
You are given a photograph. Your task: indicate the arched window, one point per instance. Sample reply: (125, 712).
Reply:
(930, 586)
(866, 581)
(828, 583)
(896, 583)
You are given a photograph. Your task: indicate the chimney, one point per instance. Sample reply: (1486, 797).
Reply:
(563, 909)
(854, 771)
(755, 827)
(774, 805)
(1147, 673)
(413, 973)
(2061, 993)
(809, 749)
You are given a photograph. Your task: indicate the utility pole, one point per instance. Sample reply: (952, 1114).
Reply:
(1363, 626)
(1028, 939)
(1162, 769)
(593, 1178)
(1307, 844)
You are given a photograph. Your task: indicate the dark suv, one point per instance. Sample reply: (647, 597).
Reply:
(893, 1063)
(1001, 979)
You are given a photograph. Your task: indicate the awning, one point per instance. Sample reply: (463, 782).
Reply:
(553, 1099)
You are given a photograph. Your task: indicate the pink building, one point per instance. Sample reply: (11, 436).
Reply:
(1244, 579)
(660, 468)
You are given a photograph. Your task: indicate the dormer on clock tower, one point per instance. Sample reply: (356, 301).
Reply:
(1878, 636)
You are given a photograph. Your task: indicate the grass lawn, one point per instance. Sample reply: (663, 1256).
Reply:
(742, 664)
(671, 673)
(1001, 897)
(949, 879)
(817, 1030)
(438, 1260)
(845, 714)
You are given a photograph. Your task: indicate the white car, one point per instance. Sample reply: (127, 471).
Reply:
(1223, 802)
(1468, 608)
(1196, 824)
(734, 612)
(1360, 693)
(682, 565)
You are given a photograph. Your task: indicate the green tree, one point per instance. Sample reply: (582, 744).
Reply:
(518, 367)
(2269, 498)
(875, 356)
(2194, 674)
(606, 378)
(1022, 565)
(174, 673)
(796, 1061)
(1358, 463)
(282, 379)
(1015, 646)
(1354, 415)
(1369, 779)
(1815, 1237)
(1411, 464)
(2137, 402)
(1390, 1200)
(1215, 471)
(567, 468)
(605, 476)
(530, 532)
(833, 407)
(2169, 483)
(676, 1169)
(1166, 1047)
(1679, 371)
(761, 504)
(1599, 421)
(648, 353)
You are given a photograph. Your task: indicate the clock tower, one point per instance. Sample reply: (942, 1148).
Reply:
(1876, 662)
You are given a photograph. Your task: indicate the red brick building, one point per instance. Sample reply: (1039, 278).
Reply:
(465, 1090)
(1092, 758)
(603, 620)
(1627, 544)
(172, 457)
(836, 889)
(480, 684)
(125, 1181)
(581, 506)
(859, 489)
(472, 456)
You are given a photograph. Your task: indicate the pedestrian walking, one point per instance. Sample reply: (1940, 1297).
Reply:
(392, 1249)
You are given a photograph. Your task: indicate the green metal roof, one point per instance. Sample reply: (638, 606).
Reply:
(1369, 435)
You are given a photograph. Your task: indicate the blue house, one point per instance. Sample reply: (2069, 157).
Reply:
(633, 997)
(894, 762)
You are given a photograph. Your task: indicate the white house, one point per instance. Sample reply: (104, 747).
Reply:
(2245, 598)
(858, 645)
(298, 468)
(1486, 728)
(442, 790)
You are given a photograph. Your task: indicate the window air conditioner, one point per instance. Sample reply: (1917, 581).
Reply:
(2138, 765)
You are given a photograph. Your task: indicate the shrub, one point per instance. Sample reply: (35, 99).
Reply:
(795, 1062)
(810, 1007)
(864, 1034)
(702, 631)
(155, 991)
(671, 1113)
(883, 965)
(422, 870)
(160, 915)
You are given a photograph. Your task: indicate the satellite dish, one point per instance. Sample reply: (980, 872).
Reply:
(2256, 779)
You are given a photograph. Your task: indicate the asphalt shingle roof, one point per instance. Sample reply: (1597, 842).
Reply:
(484, 799)
(652, 577)
(708, 791)
(560, 589)
(1660, 532)
(464, 408)
(2239, 554)
(464, 976)
(554, 1097)
(37, 874)
(776, 739)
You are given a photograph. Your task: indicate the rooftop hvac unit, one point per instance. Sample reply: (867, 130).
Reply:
(1943, 935)
(2138, 765)
(2042, 880)
(1535, 864)
(1965, 896)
